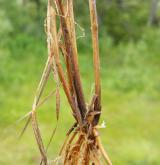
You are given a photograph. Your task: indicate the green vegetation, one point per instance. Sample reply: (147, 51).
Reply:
(130, 81)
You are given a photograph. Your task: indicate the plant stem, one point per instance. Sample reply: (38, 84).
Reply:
(96, 60)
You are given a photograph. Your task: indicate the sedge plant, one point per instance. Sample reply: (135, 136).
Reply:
(83, 144)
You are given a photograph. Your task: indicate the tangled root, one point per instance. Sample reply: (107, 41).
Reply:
(83, 147)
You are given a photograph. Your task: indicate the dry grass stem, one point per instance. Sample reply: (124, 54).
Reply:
(82, 145)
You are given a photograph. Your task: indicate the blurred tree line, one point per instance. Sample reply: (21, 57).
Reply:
(129, 39)
(123, 20)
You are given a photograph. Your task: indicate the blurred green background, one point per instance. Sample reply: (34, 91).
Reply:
(129, 40)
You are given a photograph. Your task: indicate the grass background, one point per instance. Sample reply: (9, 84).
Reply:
(130, 71)
(130, 98)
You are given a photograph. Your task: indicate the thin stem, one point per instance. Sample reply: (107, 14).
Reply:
(60, 70)
(72, 57)
(101, 148)
(96, 60)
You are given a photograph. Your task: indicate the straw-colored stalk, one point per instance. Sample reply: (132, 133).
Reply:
(82, 145)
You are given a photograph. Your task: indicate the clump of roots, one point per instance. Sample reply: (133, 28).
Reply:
(83, 144)
(83, 147)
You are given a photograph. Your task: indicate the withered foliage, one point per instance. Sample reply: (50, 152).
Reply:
(82, 145)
